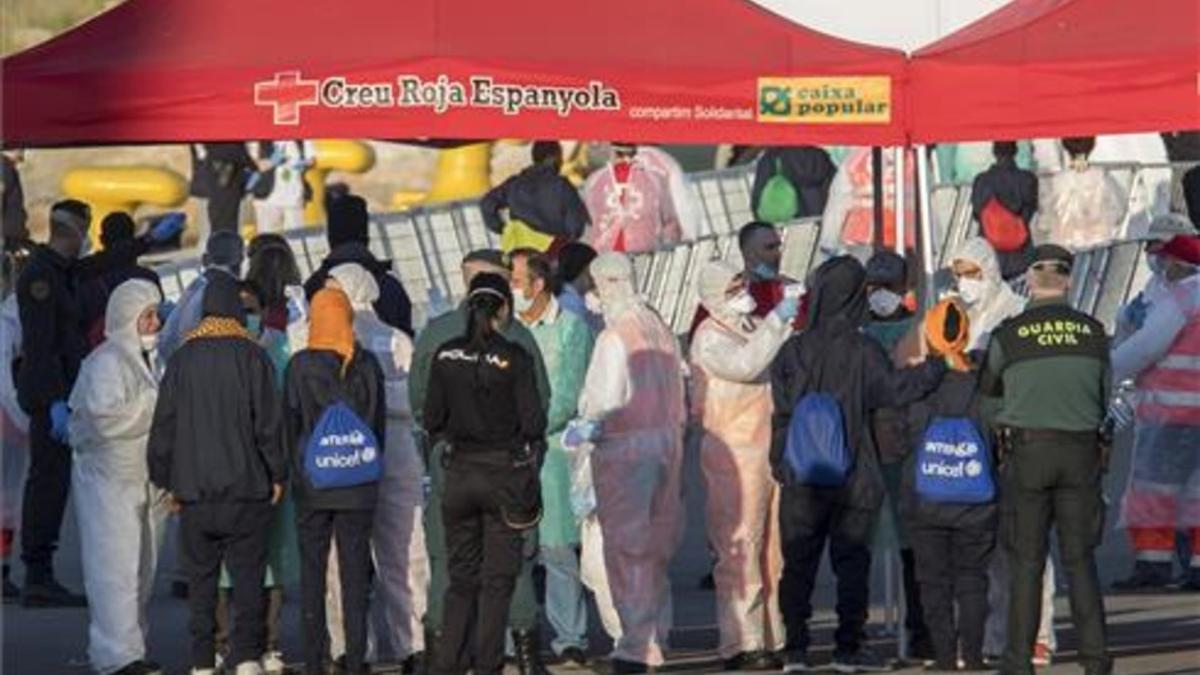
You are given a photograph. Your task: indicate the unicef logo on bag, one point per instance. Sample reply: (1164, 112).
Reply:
(953, 464)
(342, 450)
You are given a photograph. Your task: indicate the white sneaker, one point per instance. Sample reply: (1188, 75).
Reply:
(249, 668)
(272, 663)
(204, 671)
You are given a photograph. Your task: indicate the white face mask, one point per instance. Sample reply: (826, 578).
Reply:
(884, 302)
(1156, 263)
(149, 342)
(592, 302)
(972, 290)
(521, 304)
(742, 304)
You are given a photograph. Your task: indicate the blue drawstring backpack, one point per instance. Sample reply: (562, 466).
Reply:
(954, 463)
(816, 452)
(342, 450)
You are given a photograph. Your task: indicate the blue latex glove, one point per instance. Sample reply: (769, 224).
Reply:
(59, 415)
(1136, 311)
(167, 227)
(580, 431)
(787, 309)
(296, 311)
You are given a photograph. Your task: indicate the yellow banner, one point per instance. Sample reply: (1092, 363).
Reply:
(825, 100)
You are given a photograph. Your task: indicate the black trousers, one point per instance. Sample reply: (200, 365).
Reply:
(809, 517)
(951, 567)
(485, 557)
(224, 203)
(46, 488)
(234, 533)
(1054, 483)
(353, 532)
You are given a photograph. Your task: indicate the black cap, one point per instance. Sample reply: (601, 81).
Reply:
(491, 284)
(490, 256)
(885, 268)
(1053, 253)
(349, 221)
(222, 299)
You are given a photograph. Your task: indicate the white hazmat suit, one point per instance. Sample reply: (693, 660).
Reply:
(995, 303)
(398, 540)
(731, 356)
(121, 515)
(634, 388)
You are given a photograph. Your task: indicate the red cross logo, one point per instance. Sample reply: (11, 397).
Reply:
(286, 94)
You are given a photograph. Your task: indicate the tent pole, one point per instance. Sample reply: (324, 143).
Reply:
(926, 228)
(898, 153)
(877, 196)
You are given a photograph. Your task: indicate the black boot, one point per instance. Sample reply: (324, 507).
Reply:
(529, 652)
(415, 665)
(12, 592)
(1146, 575)
(43, 590)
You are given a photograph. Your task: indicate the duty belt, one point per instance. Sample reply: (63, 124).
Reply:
(1035, 435)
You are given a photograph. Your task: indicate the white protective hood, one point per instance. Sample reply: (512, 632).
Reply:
(999, 302)
(358, 284)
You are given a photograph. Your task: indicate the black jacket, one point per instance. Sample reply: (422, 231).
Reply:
(53, 343)
(217, 434)
(485, 401)
(393, 306)
(809, 169)
(956, 396)
(835, 357)
(1015, 188)
(313, 382)
(540, 198)
(12, 208)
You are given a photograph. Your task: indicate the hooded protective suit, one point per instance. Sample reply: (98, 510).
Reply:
(997, 302)
(731, 355)
(634, 388)
(631, 208)
(121, 516)
(1162, 355)
(399, 537)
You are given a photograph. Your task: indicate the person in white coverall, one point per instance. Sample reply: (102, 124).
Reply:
(121, 515)
(634, 392)
(989, 301)
(731, 356)
(398, 541)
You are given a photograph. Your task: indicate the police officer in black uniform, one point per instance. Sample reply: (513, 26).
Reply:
(53, 345)
(1050, 367)
(483, 402)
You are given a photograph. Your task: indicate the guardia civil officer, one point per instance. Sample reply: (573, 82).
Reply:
(483, 402)
(1049, 365)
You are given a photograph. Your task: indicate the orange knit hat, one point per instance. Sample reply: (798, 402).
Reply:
(948, 331)
(331, 325)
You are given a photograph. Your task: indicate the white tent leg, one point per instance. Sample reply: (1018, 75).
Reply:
(926, 228)
(898, 157)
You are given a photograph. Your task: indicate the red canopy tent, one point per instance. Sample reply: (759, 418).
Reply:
(1060, 68)
(696, 71)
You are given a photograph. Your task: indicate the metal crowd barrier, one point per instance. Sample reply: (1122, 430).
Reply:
(426, 245)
